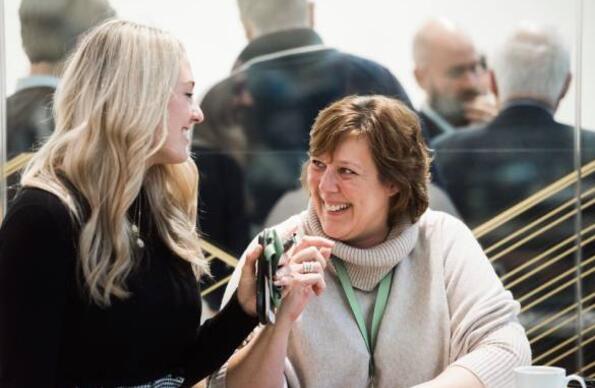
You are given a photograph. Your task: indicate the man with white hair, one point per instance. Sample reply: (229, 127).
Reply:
(520, 153)
(453, 75)
(258, 119)
(490, 169)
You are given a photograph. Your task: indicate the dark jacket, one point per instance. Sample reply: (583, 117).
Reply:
(28, 119)
(489, 170)
(52, 335)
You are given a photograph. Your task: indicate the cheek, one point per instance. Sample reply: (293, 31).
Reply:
(313, 181)
(178, 112)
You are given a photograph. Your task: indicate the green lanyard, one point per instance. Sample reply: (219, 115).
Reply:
(379, 307)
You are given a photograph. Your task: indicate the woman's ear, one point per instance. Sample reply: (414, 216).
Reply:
(392, 189)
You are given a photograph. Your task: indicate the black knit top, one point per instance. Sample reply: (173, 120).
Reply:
(52, 336)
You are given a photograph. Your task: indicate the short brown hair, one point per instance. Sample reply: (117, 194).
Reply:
(397, 146)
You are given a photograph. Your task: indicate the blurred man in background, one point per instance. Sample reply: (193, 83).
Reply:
(524, 149)
(49, 30)
(510, 165)
(453, 75)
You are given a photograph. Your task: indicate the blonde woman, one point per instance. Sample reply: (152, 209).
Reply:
(99, 257)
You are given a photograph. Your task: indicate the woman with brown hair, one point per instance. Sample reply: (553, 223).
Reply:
(411, 299)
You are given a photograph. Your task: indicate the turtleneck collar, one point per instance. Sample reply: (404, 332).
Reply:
(367, 266)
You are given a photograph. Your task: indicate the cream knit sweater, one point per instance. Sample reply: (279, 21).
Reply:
(446, 307)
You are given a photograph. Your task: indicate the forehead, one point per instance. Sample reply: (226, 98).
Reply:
(351, 148)
(453, 52)
(186, 72)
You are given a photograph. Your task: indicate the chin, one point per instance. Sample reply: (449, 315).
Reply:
(179, 160)
(178, 157)
(332, 232)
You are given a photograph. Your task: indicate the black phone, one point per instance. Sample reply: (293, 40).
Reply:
(268, 295)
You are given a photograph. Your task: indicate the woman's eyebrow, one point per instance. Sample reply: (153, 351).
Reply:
(349, 163)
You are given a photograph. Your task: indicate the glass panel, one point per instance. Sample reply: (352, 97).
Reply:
(2, 112)
(587, 115)
(254, 139)
(512, 180)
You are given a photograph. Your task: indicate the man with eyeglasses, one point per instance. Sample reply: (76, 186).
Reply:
(453, 75)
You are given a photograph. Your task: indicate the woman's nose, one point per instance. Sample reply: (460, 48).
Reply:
(328, 181)
(197, 115)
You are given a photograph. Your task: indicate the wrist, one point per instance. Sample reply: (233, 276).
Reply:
(282, 321)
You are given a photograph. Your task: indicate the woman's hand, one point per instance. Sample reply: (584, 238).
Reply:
(298, 285)
(301, 274)
(247, 284)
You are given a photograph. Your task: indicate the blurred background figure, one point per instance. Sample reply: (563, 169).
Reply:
(521, 152)
(255, 137)
(453, 75)
(49, 30)
(487, 170)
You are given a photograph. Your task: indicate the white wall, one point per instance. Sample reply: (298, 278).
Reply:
(380, 30)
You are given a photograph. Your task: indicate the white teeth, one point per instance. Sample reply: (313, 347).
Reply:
(334, 208)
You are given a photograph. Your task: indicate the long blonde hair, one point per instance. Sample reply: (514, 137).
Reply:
(111, 117)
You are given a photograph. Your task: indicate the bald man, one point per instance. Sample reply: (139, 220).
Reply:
(453, 75)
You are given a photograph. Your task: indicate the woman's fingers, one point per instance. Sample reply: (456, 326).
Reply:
(247, 285)
(301, 274)
(307, 254)
(251, 257)
(309, 244)
(312, 241)
(296, 279)
(303, 267)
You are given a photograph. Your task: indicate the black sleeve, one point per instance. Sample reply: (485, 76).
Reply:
(33, 287)
(217, 339)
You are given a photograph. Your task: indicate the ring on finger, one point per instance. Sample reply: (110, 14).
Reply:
(307, 267)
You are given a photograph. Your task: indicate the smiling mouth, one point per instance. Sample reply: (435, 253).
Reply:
(336, 208)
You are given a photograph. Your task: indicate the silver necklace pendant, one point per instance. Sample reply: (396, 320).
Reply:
(136, 232)
(140, 243)
(135, 228)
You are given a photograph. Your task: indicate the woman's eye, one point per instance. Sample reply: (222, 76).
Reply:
(317, 163)
(346, 171)
(189, 95)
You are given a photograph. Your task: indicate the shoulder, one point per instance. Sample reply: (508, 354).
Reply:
(361, 62)
(30, 96)
(462, 138)
(432, 219)
(40, 206)
(367, 67)
(588, 138)
(436, 225)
